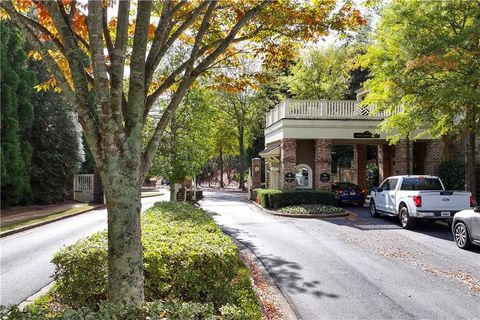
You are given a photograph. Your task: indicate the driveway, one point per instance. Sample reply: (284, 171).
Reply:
(357, 267)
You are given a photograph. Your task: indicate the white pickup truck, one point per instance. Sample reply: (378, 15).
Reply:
(417, 197)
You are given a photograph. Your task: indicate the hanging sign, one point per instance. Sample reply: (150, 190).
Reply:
(365, 135)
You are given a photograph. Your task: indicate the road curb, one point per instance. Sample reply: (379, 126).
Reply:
(39, 224)
(283, 303)
(35, 296)
(301, 216)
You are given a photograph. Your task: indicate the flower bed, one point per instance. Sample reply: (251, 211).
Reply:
(311, 209)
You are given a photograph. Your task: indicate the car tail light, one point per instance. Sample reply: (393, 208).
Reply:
(472, 201)
(417, 200)
(364, 191)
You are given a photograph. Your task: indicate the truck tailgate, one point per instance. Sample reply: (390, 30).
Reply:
(445, 200)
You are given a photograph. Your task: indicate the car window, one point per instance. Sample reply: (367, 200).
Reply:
(421, 183)
(392, 184)
(385, 185)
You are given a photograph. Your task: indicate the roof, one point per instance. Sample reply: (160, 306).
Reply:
(273, 151)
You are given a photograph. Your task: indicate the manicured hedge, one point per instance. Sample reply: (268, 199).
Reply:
(269, 198)
(186, 256)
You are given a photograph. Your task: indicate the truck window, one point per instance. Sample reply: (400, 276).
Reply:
(421, 184)
(392, 184)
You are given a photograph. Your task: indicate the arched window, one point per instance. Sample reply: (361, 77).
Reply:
(303, 176)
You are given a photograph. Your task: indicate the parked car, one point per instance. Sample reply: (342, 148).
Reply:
(466, 228)
(417, 197)
(346, 192)
(165, 182)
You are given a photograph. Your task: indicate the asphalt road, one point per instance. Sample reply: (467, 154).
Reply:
(25, 265)
(359, 267)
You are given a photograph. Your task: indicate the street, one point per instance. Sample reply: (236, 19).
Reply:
(25, 257)
(357, 267)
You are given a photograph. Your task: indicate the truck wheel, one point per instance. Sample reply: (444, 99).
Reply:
(373, 209)
(460, 234)
(405, 220)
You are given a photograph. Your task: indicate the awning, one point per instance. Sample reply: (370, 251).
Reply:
(269, 152)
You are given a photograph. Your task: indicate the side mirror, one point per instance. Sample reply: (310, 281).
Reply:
(375, 189)
(476, 209)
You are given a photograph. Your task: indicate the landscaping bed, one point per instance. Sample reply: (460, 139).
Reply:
(312, 209)
(192, 271)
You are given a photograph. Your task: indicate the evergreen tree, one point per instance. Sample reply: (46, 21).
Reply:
(55, 142)
(16, 117)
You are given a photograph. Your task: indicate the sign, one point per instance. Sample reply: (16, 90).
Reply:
(365, 135)
(289, 177)
(257, 169)
(325, 177)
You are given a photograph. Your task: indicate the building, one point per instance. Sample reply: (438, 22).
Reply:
(301, 134)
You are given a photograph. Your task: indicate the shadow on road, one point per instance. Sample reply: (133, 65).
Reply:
(285, 273)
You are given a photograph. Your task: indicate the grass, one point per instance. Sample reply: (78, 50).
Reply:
(51, 216)
(311, 209)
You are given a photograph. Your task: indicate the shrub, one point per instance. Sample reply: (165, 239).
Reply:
(186, 257)
(290, 198)
(311, 209)
(452, 174)
(172, 310)
(373, 176)
(263, 196)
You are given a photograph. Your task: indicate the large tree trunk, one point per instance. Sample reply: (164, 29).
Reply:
(241, 133)
(221, 167)
(125, 255)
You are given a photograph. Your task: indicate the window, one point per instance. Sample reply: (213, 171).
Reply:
(389, 184)
(421, 183)
(303, 176)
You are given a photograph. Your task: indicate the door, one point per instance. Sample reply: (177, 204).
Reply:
(83, 187)
(380, 200)
(390, 204)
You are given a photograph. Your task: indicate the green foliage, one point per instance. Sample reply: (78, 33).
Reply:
(16, 117)
(270, 198)
(373, 176)
(88, 163)
(187, 142)
(320, 74)
(311, 209)
(55, 142)
(452, 174)
(186, 257)
(426, 58)
(172, 310)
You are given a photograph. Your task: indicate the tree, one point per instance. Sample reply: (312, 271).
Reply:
(16, 116)
(224, 142)
(426, 59)
(113, 105)
(187, 141)
(320, 74)
(55, 142)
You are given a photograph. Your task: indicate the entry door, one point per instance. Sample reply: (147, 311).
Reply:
(274, 178)
(83, 187)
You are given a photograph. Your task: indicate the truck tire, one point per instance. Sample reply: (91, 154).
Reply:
(373, 209)
(405, 220)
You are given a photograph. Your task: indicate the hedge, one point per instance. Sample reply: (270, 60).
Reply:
(269, 198)
(186, 257)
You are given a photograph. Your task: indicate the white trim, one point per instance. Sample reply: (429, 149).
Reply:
(310, 176)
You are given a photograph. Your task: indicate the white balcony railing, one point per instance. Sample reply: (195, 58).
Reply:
(323, 109)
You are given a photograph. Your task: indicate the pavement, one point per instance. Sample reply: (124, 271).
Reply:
(356, 267)
(25, 266)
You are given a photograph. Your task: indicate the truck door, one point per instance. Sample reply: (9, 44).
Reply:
(390, 203)
(380, 197)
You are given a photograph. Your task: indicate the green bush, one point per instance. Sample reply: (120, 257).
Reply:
(186, 257)
(452, 174)
(263, 196)
(373, 176)
(172, 310)
(270, 198)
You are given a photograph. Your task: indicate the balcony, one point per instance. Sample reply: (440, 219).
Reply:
(322, 110)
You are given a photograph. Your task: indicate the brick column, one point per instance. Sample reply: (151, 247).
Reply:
(384, 161)
(360, 154)
(256, 173)
(434, 156)
(323, 163)
(403, 161)
(288, 162)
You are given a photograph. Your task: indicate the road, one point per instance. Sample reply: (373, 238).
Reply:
(358, 267)
(25, 257)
